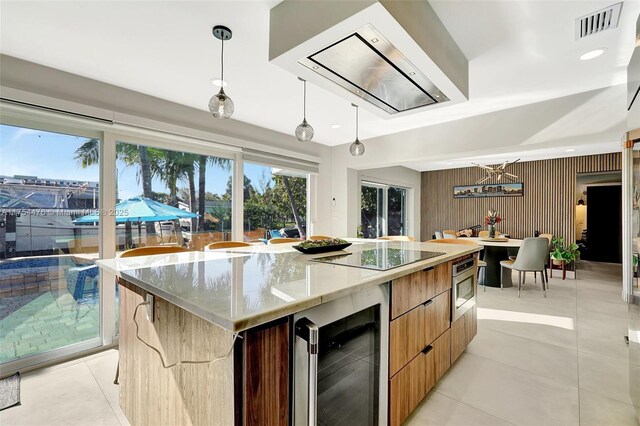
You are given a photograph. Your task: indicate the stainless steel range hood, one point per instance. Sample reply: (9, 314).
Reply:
(396, 54)
(369, 66)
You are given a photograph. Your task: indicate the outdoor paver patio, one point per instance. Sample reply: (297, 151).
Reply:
(35, 323)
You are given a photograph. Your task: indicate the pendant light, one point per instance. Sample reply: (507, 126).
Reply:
(304, 132)
(357, 148)
(221, 105)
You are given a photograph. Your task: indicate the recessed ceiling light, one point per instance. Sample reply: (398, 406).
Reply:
(374, 40)
(412, 73)
(449, 164)
(570, 149)
(592, 54)
(219, 83)
(315, 67)
(357, 91)
(336, 126)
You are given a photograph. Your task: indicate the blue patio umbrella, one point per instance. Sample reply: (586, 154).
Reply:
(141, 209)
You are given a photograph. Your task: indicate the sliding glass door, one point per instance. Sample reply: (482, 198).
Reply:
(49, 283)
(383, 210)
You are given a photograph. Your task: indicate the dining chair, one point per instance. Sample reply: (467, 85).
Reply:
(546, 262)
(319, 237)
(481, 263)
(531, 258)
(396, 238)
(275, 233)
(217, 245)
(449, 233)
(283, 240)
(146, 251)
(151, 250)
(439, 235)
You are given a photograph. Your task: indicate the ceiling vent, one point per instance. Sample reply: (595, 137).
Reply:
(596, 22)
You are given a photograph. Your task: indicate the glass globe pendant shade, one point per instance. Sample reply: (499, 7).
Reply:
(357, 148)
(221, 105)
(304, 132)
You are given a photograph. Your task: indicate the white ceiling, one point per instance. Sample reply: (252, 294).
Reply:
(519, 52)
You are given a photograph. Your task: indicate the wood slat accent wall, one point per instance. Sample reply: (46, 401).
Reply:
(548, 204)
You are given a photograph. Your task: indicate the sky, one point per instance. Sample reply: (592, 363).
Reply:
(50, 155)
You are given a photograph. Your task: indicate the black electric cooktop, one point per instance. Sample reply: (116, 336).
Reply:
(379, 259)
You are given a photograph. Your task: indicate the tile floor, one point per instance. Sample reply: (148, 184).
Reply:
(555, 361)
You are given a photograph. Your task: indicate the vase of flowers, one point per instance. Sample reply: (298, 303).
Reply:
(491, 219)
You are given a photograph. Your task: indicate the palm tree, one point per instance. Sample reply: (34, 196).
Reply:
(88, 154)
(170, 169)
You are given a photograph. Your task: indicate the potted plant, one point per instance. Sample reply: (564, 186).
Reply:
(564, 253)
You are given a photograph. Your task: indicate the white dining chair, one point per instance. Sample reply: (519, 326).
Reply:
(531, 258)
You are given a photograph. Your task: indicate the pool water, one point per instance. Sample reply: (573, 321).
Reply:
(41, 262)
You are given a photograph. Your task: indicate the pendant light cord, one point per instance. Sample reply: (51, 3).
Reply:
(304, 100)
(222, 64)
(357, 121)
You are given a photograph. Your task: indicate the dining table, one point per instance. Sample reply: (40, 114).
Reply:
(495, 250)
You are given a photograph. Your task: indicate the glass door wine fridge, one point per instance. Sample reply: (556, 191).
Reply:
(340, 371)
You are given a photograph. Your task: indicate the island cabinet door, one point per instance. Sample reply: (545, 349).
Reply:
(411, 384)
(414, 289)
(463, 330)
(412, 332)
(265, 375)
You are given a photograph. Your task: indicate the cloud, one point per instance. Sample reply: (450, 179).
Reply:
(20, 133)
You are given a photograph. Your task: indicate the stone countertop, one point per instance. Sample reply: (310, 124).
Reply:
(241, 288)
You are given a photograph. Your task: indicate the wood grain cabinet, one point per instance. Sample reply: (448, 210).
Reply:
(414, 289)
(463, 330)
(411, 384)
(412, 332)
(419, 337)
(423, 343)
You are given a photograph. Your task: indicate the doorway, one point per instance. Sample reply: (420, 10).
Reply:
(598, 216)
(604, 223)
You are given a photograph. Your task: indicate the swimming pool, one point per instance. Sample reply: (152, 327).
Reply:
(41, 262)
(48, 273)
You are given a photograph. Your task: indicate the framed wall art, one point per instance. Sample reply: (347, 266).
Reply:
(489, 190)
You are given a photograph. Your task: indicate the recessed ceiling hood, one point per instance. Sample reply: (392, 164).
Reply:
(367, 65)
(396, 55)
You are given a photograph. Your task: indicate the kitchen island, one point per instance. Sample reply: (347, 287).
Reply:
(216, 345)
